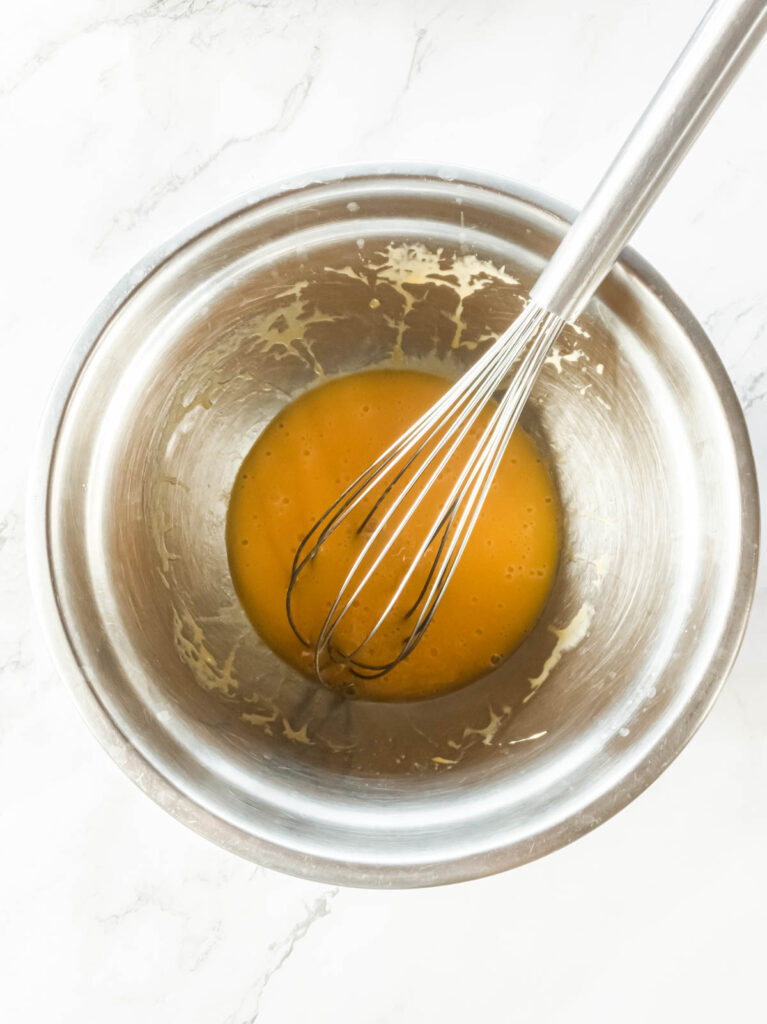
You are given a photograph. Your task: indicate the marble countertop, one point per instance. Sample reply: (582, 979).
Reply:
(124, 119)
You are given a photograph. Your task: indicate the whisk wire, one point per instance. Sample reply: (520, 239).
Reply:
(482, 475)
(424, 451)
(362, 486)
(477, 475)
(491, 374)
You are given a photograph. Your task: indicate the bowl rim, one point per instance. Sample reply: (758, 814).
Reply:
(283, 858)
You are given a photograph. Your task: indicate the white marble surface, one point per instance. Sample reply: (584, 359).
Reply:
(121, 120)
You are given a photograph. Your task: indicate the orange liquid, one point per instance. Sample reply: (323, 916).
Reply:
(303, 460)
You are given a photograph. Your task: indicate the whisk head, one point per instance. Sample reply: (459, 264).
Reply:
(452, 452)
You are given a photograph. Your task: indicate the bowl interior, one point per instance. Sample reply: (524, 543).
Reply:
(413, 272)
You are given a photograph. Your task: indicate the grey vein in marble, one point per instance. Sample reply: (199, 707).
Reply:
(294, 100)
(161, 10)
(283, 950)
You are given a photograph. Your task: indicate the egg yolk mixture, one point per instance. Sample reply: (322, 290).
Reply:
(315, 447)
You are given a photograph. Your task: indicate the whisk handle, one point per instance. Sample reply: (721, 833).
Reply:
(687, 97)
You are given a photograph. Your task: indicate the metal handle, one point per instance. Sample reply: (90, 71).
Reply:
(688, 96)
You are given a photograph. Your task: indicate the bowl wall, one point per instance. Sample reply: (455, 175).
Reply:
(172, 383)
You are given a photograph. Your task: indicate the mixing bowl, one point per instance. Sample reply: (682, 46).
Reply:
(171, 382)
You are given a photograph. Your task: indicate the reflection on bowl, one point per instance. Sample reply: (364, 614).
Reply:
(173, 380)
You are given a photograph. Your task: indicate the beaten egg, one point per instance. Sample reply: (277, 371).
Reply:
(311, 451)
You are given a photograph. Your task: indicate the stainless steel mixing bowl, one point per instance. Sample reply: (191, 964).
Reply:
(169, 385)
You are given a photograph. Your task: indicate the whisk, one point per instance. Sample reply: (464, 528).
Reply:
(386, 499)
